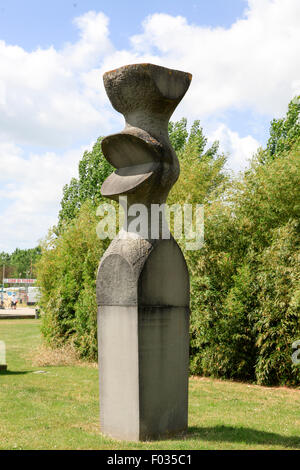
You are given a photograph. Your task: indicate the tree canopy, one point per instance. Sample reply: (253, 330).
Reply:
(20, 263)
(284, 132)
(93, 169)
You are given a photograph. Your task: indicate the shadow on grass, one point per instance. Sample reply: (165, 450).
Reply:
(242, 435)
(15, 372)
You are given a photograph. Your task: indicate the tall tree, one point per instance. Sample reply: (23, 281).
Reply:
(93, 169)
(284, 132)
(23, 261)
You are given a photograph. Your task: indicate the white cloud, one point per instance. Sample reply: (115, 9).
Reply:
(93, 44)
(45, 97)
(30, 191)
(296, 87)
(55, 97)
(240, 149)
(254, 63)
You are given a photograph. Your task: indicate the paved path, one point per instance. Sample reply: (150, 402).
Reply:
(18, 313)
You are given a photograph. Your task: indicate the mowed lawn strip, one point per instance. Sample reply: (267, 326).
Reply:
(58, 408)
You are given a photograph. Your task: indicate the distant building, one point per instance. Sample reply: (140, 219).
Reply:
(33, 295)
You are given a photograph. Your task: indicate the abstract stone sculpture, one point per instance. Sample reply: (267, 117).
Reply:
(143, 282)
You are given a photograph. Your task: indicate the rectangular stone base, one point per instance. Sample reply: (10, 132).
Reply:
(143, 367)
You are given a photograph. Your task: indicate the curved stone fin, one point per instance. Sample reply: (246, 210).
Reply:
(126, 149)
(127, 179)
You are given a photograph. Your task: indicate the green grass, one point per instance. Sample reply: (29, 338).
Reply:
(59, 409)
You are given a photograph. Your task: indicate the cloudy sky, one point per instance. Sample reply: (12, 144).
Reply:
(244, 57)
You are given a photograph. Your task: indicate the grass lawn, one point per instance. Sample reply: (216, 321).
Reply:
(59, 409)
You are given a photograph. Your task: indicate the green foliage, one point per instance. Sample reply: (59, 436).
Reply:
(278, 314)
(178, 134)
(245, 289)
(195, 141)
(70, 203)
(245, 311)
(284, 132)
(224, 331)
(24, 261)
(71, 254)
(201, 172)
(66, 274)
(21, 263)
(4, 258)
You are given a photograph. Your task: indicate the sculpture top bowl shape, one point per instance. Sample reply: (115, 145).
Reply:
(144, 93)
(147, 166)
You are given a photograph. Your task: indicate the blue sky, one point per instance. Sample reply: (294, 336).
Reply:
(243, 56)
(33, 23)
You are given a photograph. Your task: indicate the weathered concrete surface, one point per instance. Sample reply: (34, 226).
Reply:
(119, 371)
(143, 333)
(163, 334)
(143, 283)
(144, 359)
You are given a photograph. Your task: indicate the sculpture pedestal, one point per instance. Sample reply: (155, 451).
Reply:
(143, 335)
